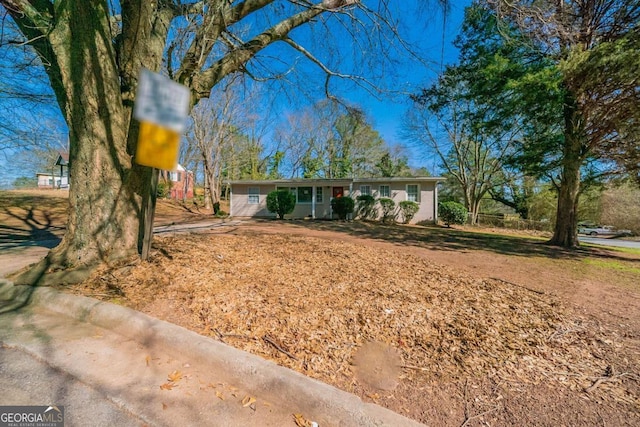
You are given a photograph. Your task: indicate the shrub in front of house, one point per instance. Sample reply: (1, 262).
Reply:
(389, 213)
(366, 207)
(163, 189)
(343, 206)
(452, 213)
(409, 210)
(281, 202)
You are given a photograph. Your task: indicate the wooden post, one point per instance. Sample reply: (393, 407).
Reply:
(148, 214)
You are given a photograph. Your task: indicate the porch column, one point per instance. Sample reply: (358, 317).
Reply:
(435, 202)
(313, 202)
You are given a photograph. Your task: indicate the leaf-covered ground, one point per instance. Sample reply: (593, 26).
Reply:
(424, 339)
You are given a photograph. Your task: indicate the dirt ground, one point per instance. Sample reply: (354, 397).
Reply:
(447, 326)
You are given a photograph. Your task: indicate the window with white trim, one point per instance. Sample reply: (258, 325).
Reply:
(385, 191)
(318, 194)
(254, 196)
(292, 190)
(413, 193)
(365, 190)
(305, 195)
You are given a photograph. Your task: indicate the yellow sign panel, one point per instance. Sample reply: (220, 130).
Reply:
(157, 147)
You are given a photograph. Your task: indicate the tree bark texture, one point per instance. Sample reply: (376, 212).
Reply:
(566, 228)
(104, 206)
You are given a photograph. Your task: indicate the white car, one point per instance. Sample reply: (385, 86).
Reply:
(605, 230)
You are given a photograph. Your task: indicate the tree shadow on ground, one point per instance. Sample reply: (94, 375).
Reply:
(451, 239)
(29, 230)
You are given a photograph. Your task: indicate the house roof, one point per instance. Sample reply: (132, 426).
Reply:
(435, 179)
(49, 174)
(63, 159)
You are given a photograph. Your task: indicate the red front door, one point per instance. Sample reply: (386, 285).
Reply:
(338, 191)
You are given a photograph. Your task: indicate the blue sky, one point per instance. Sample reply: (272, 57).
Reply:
(424, 32)
(431, 36)
(388, 112)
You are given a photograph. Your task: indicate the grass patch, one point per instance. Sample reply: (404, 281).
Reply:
(632, 251)
(612, 265)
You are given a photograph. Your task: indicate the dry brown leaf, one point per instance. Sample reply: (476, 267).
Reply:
(445, 324)
(247, 401)
(147, 360)
(219, 395)
(167, 386)
(175, 376)
(301, 421)
(164, 406)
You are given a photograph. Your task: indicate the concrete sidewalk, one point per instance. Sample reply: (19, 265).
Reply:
(143, 371)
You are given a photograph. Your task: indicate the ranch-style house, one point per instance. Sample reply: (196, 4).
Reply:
(313, 196)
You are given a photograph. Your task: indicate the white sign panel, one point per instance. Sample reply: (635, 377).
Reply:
(161, 101)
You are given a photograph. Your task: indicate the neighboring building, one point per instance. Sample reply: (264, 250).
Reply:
(48, 180)
(181, 183)
(313, 196)
(51, 180)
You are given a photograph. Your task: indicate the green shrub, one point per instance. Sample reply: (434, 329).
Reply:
(452, 213)
(389, 212)
(366, 207)
(343, 206)
(409, 210)
(163, 189)
(281, 202)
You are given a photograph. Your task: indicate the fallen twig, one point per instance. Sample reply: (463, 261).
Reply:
(278, 347)
(93, 294)
(417, 368)
(601, 380)
(222, 336)
(468, 418)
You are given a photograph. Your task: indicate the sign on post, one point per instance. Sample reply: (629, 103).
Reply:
(161, 106)
(157, 147)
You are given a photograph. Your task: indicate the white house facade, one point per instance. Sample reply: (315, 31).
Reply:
(313, 196)
(48, 180)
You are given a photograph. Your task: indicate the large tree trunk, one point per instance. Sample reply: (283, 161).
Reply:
(474, 211)
(566, 229)
(107, 190)
(214, 193)
(207, 190)
(104, 201)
